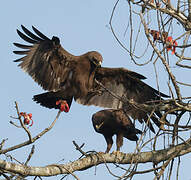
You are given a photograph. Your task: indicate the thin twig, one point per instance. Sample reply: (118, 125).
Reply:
(79, 148)
(22, 124)
(30, 155)
(172, 77)
(2, 143)
(33, 139)
(11, 122)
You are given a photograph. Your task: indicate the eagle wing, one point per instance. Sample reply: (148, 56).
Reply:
(127, 85)
(122, 83)
(45, 60)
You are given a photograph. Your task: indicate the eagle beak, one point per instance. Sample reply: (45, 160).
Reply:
(99, 64)
(99, 126)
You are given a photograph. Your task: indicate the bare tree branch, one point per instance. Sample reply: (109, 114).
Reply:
(3, 151)
(22, 124)
(189, 10)
(172, 77)
(99, 158)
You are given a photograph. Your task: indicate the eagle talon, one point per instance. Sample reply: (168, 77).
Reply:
(63, 105)
(117, 155)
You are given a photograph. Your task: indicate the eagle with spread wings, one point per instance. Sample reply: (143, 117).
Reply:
(66, 77)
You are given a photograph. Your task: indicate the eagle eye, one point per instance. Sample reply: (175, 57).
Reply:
(96, 61)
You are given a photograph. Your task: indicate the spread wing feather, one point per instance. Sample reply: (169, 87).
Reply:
(126, 84)
(39, 33)
(22, 46)
(45, 60)
(33, 36)
(123, 83)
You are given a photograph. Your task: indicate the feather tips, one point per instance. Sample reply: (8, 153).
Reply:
(39, 33)
(26, 38)
(33, 36)
(44, 60)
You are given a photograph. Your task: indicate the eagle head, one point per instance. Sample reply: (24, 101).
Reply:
(95, 58)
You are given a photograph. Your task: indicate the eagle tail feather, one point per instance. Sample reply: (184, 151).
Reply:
(131, 133)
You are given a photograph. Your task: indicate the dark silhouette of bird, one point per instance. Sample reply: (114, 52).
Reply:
(112, 122)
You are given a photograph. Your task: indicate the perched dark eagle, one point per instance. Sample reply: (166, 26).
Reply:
(111, 122)
(66, 76)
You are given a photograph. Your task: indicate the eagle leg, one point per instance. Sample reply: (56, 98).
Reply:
(109, 141)
(119, 141)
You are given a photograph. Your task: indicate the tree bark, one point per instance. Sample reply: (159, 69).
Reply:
(96, 159)
(189, 10)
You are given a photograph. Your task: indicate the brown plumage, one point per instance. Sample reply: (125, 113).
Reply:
(111, 122)
(66, 76)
